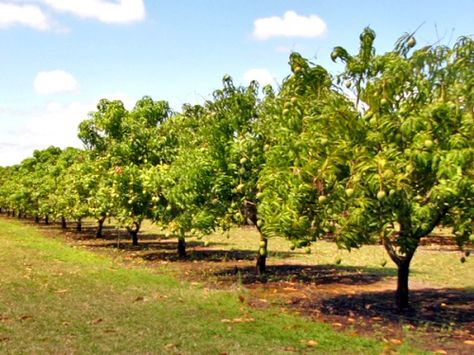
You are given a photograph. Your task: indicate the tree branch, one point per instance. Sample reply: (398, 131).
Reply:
(391, 251)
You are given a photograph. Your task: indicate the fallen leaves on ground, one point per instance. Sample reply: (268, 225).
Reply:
(238, 320)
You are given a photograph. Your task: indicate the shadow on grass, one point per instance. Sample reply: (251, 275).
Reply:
(157, 248)
(144, 245)
(320, 274)
(209, 255)
(441, 308)
(87, 231)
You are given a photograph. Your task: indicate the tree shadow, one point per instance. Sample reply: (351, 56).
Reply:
(143, 245)
(438, 308)
(319, 274)
(157, 248)
(209, 255)
(87, 231)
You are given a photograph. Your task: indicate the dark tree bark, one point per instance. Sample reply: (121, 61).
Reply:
(402, 293)
(403, 260)
(100, 226)
(37, 219)
(262, 256)
(46, 219)
(261, 264)
(79, 225)
(182, 246)
(134, 236)
(133, 231)
(63, 222)
(403, 265)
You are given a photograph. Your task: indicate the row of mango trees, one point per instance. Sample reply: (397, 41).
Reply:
(382, 152)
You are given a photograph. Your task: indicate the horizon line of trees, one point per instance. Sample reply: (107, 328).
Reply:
(384, 151)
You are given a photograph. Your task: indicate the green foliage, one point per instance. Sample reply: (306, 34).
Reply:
(304, 158)
(211, 181)
(394, 163)
(382, 151)
(412, 164)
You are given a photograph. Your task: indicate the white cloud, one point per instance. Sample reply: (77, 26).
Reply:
(122, 11)
(13, 153)
(262, 75)
(52, 124)
(57, 124)
(290, 25)
(55, 81)
(25, 15)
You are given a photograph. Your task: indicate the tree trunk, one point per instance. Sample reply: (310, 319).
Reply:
(261, 264)
(402, 293)
(37, 219)
(134, 236)
(79, 225)
(46, 219)
(100, 225)
(262, 256)
(181, 246)
(63, 223)
(403, 264)
(134, 232)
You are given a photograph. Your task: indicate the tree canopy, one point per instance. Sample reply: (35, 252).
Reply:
(382, 152)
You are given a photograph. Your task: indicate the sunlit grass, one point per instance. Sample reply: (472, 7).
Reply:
(55, 298)
(437, 265)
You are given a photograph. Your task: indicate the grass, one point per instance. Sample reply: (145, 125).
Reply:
(433, 265)
(56, 298)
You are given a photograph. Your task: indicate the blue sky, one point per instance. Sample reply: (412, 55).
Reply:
(59, 57)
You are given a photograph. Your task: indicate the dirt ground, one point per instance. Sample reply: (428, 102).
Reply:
(347, 298)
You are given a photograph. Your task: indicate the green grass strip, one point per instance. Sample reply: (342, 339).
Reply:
(58, 299)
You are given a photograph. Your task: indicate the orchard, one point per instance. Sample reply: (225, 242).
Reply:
(381, 153)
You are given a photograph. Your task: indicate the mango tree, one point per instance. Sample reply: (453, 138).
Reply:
(60, 173)
(305, 128)
(125, 144)
(179, 184)
(100, 198)
(412, 152)
(211, 183)
(43, 180)
(13, 194)
(386, 155)
(4, 173)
